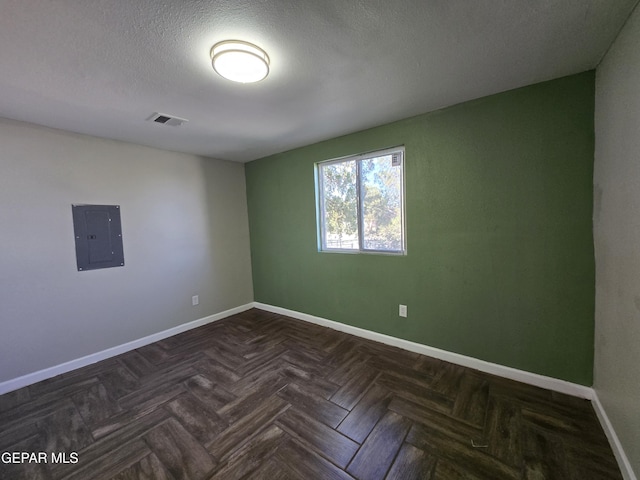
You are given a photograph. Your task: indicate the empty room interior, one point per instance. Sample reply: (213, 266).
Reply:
(408, 247)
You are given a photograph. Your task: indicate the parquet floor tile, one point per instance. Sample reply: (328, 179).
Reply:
(262, 396)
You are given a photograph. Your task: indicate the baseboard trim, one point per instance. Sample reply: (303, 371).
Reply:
(550, 383)
(614, 441)
(31, 378)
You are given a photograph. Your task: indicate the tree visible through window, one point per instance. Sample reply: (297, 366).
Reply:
(361, 203)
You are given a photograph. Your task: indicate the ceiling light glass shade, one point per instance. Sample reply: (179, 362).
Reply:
(239, 61)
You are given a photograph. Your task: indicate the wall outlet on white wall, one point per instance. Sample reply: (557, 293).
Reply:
(195, 300)
(402, 311)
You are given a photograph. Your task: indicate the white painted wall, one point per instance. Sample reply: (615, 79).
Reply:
(185, 232)
(617, 237)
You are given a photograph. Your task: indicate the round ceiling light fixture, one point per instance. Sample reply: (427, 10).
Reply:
(239, 61)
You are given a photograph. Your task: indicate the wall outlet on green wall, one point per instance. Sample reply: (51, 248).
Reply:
(402, 311)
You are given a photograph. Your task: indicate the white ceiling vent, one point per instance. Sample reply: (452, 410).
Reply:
(165, 119)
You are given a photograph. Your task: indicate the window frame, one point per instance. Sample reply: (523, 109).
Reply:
(320, 208)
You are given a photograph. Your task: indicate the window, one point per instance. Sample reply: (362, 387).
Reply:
(361, 203)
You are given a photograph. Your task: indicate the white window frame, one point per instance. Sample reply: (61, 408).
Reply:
(320, 213)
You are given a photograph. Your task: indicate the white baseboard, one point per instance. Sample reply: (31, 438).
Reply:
(550, 383)
(614, 441)
(31, 378)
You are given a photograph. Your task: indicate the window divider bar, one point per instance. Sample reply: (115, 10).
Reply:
(360, 211)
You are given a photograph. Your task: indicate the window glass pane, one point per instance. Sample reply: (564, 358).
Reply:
(381, 182)
(340, 205)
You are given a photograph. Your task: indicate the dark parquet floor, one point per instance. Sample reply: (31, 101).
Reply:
(259, 395)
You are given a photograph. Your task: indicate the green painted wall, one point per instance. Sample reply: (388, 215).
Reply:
(500, 262)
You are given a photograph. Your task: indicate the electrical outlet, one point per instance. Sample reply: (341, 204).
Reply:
(195, 300)
(402, 311)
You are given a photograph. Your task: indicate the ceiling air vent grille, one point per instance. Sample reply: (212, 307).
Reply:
(165, 119)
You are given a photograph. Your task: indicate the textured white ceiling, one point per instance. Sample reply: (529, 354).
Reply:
(102, 67)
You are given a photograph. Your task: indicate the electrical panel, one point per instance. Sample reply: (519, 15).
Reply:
(98, 234)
